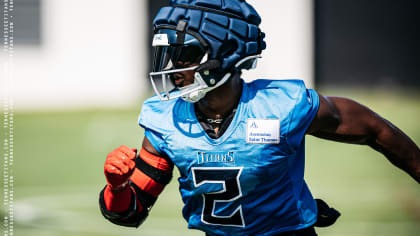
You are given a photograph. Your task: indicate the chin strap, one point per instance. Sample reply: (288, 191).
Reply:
(209, 65)
(197, 95)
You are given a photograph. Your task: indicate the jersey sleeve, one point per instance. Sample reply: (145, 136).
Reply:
(155, 139)
(302, 114)
(155, 117)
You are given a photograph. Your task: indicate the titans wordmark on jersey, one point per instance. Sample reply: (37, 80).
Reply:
(250, 180)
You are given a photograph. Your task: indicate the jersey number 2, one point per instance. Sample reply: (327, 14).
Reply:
(229, 178)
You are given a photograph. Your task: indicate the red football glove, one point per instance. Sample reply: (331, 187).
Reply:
(119, 167)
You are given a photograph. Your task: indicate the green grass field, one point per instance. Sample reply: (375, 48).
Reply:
(58, 170)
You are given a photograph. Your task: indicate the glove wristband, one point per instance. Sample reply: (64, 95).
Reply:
(119, 188)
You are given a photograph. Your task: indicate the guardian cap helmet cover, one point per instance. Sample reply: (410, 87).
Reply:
(213, 37)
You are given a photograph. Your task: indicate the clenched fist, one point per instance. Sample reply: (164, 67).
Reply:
(119, 167)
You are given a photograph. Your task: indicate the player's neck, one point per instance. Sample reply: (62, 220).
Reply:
(220, 102)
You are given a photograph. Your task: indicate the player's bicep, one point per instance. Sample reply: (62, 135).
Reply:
(345, 120)
(327, 117)
(147, 145)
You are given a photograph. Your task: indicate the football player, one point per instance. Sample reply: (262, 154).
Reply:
(239, 147)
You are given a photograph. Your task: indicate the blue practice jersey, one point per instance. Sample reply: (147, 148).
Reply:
(250, 180)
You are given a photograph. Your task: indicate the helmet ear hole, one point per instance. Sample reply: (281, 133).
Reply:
(228, 48)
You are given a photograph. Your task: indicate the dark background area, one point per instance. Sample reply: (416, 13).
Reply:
(373, 43)
(26, 17)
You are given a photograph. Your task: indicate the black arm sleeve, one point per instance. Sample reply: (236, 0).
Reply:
(130, 218)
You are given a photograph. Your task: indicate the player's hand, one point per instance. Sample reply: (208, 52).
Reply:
(119, 167)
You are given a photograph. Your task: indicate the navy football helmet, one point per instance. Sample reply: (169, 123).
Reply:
(213, 38)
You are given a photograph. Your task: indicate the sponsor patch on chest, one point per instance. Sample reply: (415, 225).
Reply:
(266, 131)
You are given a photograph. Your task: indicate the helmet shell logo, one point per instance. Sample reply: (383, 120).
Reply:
(160, 40)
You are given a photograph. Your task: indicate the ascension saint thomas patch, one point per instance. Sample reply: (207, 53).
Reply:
(264, 131)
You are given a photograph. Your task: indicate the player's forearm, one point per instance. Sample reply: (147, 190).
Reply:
(398, 148)
(114, 207)
(359, 125)
(117, 201)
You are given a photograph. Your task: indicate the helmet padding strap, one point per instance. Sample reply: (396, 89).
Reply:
(180, 38)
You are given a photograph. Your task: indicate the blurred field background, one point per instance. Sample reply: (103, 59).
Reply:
(59, 173)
